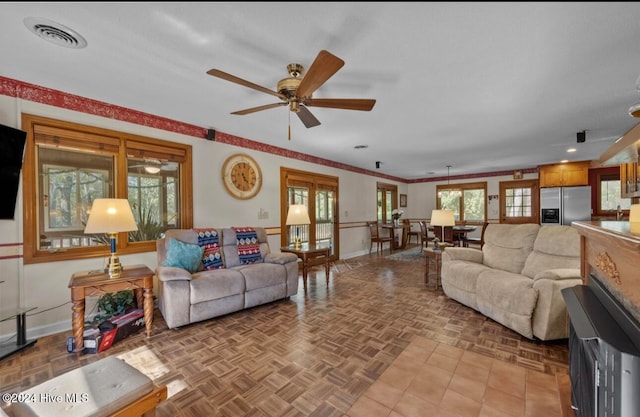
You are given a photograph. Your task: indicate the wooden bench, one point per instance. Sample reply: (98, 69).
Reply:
(108, 387)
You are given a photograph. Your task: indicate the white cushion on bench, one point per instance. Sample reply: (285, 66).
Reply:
(100, 389)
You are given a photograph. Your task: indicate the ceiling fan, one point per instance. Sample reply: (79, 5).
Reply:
(296, 90)
(153, 166)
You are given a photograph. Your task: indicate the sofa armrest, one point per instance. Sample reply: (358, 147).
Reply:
(550, 319)
(558, 274)
(462, 254)
(280, 258)
(171, 273)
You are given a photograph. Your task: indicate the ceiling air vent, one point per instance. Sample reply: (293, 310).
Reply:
(55, 33)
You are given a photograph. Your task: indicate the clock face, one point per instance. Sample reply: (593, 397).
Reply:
(241, 176)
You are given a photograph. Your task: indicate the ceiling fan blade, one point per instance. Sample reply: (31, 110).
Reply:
(259, 108)
(308, 119)
(237, 80)
(322, 68)
(342, 103)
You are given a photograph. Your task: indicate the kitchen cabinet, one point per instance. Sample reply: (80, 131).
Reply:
(625, 152)
(564, 175)
(629, 180)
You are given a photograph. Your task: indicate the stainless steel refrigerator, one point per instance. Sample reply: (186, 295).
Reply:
(563, 205)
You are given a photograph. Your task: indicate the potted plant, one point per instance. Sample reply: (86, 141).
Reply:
(113, 304)
(395, 215)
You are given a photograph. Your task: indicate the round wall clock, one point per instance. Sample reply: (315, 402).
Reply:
(241, 176)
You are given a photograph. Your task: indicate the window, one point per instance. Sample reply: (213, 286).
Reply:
(606, 192)
(468, 201)
(609, 195)
(67, 166)
(386, 200)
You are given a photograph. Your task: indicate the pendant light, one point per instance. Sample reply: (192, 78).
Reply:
(456, 193)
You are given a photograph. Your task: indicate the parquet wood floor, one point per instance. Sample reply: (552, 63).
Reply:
(375, 342)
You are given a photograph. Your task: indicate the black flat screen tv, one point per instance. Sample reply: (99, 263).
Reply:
(12, 143)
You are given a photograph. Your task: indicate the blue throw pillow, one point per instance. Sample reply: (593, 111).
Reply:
(183, 255)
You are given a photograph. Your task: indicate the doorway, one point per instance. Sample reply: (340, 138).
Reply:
(519, 202)
(319, 194)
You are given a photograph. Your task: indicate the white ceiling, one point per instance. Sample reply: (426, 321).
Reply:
(482, 87)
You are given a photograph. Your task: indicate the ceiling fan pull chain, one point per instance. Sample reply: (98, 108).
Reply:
(289, 125)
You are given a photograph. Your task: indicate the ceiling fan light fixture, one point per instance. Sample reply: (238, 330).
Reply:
(634, 111)
(151, 169)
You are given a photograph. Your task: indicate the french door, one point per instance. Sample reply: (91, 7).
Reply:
(519, 201)
(319, 193)
(386, 198)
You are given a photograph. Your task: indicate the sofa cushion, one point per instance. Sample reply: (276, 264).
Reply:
(507, 246)
(555, 247)
(459, 279)
(463, 274)
(263, 275)
(183, 255)
(508, 298)
(216, 283)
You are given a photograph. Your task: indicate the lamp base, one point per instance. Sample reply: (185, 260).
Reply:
(298, 243)
(113, 267)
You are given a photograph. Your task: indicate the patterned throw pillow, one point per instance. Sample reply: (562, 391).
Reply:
(248, 245)
(183, 255)
(208, 239)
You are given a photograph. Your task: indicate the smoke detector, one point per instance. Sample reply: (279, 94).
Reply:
(55, 33)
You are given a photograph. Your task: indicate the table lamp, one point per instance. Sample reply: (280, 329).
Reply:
(634, 218)
(297, 216)
(111, 216)
(441, 218)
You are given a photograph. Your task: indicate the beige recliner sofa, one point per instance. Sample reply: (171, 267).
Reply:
(516, 278)
(188, 296)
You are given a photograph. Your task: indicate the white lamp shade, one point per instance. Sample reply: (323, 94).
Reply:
(298, 214)
(110, 215)
(442, 218)
(634, 218)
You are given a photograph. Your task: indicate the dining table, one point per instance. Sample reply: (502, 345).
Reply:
(399, 242)
(460, 232)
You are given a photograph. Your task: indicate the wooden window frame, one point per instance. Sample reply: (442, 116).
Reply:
(595, 177)
(462, 187)
(117, 143)
(383, 188)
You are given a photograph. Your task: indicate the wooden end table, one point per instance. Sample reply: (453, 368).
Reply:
(138, 278)
(311, 255)
(429, 254)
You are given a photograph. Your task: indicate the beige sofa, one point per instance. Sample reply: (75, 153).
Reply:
(187, 296)
(516, 278)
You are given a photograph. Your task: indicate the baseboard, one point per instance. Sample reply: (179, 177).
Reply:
(40, 331)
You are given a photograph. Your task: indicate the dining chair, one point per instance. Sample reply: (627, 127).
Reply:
(410, 232)
(479, 241)
(424, 234)
(376, 237)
